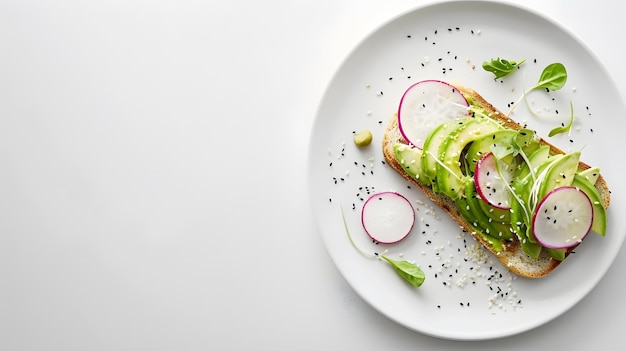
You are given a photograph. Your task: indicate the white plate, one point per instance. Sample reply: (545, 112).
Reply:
(449, 41)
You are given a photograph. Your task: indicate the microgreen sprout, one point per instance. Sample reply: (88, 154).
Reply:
(553, 77)
(409, 271)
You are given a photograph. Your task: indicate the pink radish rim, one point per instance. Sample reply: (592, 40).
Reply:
(575, 243)
(479, 191)
(394, 194)
(407, 91)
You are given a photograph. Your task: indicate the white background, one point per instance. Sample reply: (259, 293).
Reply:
(153, 188)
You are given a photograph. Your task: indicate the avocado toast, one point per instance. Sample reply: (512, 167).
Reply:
(444, 164)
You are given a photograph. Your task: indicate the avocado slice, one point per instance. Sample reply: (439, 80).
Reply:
(411, 160)
(521, 228)
(557, 254)
(494, 228)
(536, 159)
(477, 222)
(495, 214)
(592, 174)
(450, 179)
(431, 148)
(598, 225)
(483, 145)
(559, 172)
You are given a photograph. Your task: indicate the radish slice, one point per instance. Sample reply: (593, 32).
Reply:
(563, 218)
(427, 104)
(387, 217)
(493, 186)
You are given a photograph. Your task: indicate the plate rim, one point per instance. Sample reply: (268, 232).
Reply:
(316, 121)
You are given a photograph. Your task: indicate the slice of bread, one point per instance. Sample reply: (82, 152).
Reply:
(512, 257)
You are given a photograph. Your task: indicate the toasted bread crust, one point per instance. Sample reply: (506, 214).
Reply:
(512, 257)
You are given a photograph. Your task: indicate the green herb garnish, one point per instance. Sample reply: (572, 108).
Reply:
(564, 128)
(553, 77)
(501, 67)
(405, 269)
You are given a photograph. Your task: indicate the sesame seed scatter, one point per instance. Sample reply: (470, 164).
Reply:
(453, 261)
(463, 282)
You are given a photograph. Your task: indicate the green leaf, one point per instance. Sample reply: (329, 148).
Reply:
(501, 67)
(564, 128)
(407, 270)
(553, 77)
